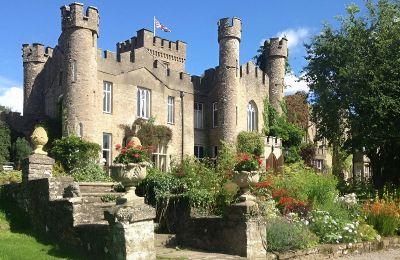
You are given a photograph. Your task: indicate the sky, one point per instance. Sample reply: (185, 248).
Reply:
(194, 22)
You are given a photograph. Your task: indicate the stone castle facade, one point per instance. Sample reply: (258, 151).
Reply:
(95, 92)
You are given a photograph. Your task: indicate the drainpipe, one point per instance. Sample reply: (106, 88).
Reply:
(182, 120)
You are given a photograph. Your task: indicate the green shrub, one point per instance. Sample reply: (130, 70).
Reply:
(284, 234)
(5, 142)
(197, 181)
(90, 172)
(10, 177)
(367, 233)
(305, 184)
(73, 152)
(20, 150)
(159, 184)
(250, 142)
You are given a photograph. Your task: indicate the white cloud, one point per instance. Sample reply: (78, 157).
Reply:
(12, 97)
(295, 36)
(294, 84)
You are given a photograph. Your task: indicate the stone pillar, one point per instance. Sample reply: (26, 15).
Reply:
(132, 231)
(36, 166)
(248, 238)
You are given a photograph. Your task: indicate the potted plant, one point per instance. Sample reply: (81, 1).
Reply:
(130, 168)
(246, 173)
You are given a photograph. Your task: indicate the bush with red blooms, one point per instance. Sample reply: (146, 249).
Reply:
(286, 203)
(247, 162)
(132, 153)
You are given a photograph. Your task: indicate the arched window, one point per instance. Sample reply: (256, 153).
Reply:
(251, 116)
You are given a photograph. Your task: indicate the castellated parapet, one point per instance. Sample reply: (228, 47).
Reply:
(172, 54)
(74, 16)
(230, 27)
(36, 52)
(276, 58)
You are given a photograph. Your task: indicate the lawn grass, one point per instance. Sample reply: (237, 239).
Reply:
(17, 240)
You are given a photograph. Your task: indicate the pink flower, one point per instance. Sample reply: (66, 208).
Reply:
(136, 155)
(117, 146)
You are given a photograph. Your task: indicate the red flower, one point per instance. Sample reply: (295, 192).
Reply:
(259, 160)
(123, 150)
(279, 193)
(117, 146)
(263, 184)
(136, 155)
(130, 144)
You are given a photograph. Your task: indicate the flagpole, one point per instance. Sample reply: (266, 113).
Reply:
(154, 26)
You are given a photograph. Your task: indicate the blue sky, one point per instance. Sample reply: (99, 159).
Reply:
(194, 22)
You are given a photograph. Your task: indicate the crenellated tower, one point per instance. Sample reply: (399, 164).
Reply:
(34, 57)
(82, 94)
(275, 68)
(229, 36)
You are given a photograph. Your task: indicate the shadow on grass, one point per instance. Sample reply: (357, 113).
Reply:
(19, 223)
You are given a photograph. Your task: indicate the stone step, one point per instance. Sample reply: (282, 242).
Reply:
(97, 199)
(96, 187)
(91, 213)
(101, 194)
(164, 240)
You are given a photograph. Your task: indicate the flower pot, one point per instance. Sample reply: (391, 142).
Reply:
(129, 175)
(244, 180)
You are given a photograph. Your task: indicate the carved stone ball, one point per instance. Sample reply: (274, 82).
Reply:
(39, 139)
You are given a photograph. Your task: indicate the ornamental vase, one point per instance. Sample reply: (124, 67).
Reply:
(130, 175)
(245, 179)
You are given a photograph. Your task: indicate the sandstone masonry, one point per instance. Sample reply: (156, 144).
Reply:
(94, 92)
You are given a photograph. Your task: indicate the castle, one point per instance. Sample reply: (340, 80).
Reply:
(94, 92)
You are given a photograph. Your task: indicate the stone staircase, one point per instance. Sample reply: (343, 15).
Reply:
(96, 198)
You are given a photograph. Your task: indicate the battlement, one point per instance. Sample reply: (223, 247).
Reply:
(250, 70)
(229, 28)
(272, 141)
(146, 39)
(36, 52)
(73, 15)
(276, 47)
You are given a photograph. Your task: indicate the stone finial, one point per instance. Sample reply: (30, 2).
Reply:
(39, 139)
(134, 140)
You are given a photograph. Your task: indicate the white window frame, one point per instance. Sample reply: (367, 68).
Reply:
(198, 115)
(197, 149)
(107, 97)
(171, 110)
(160, 157)
(143, 103)
(107, 159)
(215, 114)
(251, 117)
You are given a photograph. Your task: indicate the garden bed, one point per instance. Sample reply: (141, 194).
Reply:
(338, 250)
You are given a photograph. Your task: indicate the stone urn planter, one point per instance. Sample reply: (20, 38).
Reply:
(244, 179)
(130, 175)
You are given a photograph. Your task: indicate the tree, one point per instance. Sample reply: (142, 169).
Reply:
(19, 150)
(5, 142)
(297, 109)
(354, 79)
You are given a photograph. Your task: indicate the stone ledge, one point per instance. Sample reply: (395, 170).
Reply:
(338, 250)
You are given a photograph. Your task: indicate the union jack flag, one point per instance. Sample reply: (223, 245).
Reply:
(160, 26)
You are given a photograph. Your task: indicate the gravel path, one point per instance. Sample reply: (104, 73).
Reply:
(387, 254)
